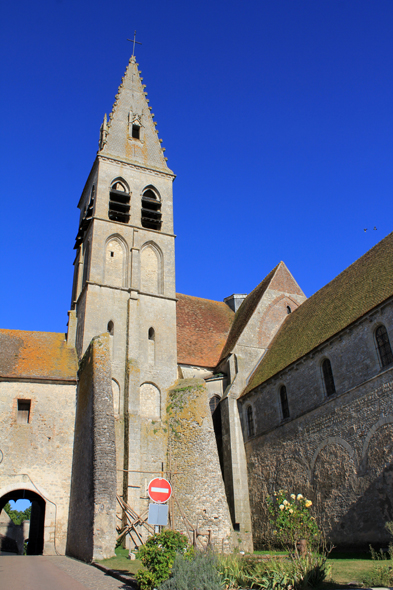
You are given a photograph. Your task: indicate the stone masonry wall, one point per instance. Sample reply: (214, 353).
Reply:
(198, 486)
(335, 449)
(340, 456)
(92, 517)
(37, 456)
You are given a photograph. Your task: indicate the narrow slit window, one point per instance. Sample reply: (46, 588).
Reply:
(289, 310)
(23, 416)
(136, 131)
(284, 402)
(151, 210)
(328, 377)
(151, 346)
(384, 348)
(111, 328)
(250, 422)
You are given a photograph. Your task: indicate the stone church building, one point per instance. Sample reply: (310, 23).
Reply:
(230, 400)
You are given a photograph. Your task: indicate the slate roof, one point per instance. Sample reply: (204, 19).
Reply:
(202, 329)
(244, 313)
(36, 355)
(357, 290)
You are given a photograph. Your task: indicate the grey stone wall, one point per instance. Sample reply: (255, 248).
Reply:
(198, 486)
(336, 450)
(37, 456)
(92, 516)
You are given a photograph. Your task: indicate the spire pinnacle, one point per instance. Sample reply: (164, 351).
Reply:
(130, 134)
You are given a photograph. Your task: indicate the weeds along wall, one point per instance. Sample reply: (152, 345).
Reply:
(199, 494)
(92, 515)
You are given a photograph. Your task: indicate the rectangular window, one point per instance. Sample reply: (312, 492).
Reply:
(136, 131)
(23, 416)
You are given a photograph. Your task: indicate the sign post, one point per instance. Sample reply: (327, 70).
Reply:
(159, 490)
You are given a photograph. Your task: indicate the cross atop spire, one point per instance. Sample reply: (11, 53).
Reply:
(133, 41)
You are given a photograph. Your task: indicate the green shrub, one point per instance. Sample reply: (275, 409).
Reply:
(158, 555)
(291, 520)
(238, 572)
(380, 575)
(309, 571)
(278, 574)
(199, 573)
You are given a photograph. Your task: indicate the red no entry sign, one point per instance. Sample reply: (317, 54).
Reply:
(159, 490)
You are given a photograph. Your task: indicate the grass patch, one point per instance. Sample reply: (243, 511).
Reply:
(121, 563)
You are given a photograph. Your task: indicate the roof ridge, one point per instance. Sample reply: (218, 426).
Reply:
(203, 299)
(355, 291)
(245, 311)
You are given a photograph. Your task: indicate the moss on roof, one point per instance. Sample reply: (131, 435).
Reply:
(357, 290)
(36, 355)
(244, 313)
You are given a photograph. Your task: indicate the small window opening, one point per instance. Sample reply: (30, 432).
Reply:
(136, 131)
(152, 334)
(289, 310)
(284, 402)
(328, 377)
(151, 210)
(213, 403)
(236, 527)
(112, 254)
(384, 348)
(119, 203)
(250, 422)
(111, 328)
(23, 411)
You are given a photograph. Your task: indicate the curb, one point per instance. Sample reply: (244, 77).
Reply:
(130, 581)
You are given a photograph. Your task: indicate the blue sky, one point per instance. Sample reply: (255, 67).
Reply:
(276, 118)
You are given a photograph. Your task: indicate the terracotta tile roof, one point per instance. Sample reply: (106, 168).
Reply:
(357, 290)
(202, 329)
(244, 313)
(36, 355)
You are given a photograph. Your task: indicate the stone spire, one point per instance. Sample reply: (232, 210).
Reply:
(130, 133)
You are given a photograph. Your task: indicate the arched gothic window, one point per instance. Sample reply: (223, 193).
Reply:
(383, 344)
(213, 403)
(328, 377)
(119, 202)
(250, 422)
(284, 402)
(151, 210)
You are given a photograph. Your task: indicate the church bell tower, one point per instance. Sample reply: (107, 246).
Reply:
(124, 278)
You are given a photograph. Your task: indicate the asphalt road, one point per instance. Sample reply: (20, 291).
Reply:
(18, 572)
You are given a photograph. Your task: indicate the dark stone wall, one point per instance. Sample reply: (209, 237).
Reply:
(92, 514)
(339, 455)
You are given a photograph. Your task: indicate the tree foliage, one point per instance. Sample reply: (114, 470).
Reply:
(17, 516)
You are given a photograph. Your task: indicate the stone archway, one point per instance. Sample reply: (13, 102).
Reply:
(35, 544)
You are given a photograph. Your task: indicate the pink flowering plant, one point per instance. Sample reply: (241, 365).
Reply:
(292, 521)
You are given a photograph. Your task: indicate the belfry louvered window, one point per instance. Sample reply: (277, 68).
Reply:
(384, 348)
(151, 210)
(284, 402)
(119, 203)
(250, 422)
(328, 377)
